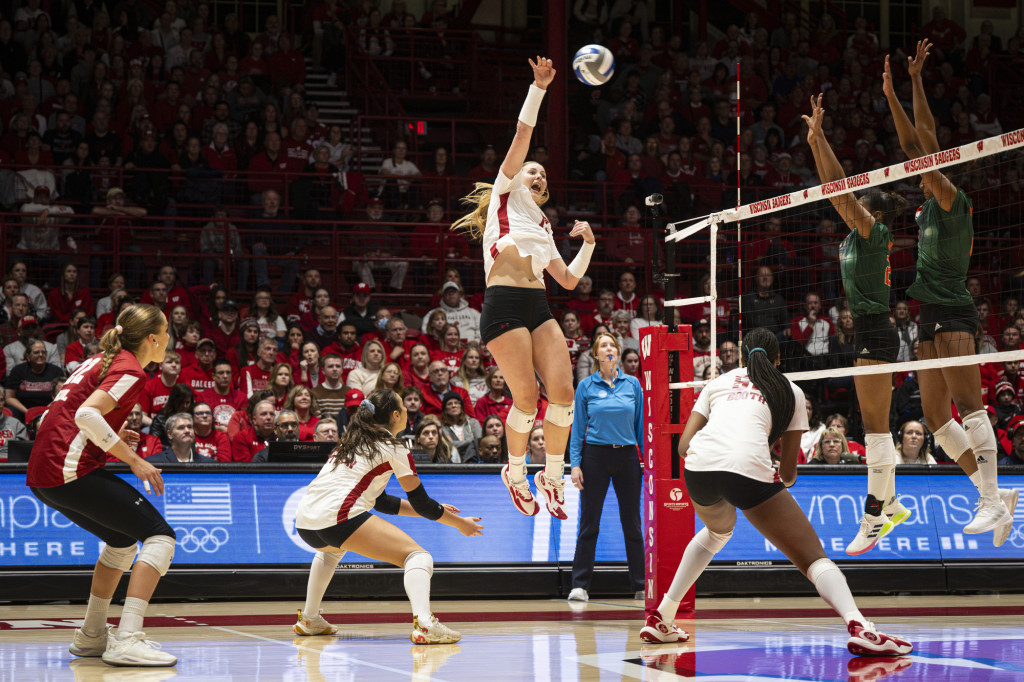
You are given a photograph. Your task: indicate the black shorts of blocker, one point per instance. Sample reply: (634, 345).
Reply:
(939, 319)
(710, 487)
(108, 507)
(333, 536)
(875, 338)
(508, 308)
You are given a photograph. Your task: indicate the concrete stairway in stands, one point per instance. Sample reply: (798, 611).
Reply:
(335, 108)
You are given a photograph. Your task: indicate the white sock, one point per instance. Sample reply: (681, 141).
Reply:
(132, 614)
(516, 468)
(976, 479)
(878, 445)
(320, 573)
(695, 559)
(95, 616)
(419, 566)
(554, 466)
(830, 583)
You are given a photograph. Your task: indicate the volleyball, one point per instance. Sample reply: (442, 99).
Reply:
(593, 64)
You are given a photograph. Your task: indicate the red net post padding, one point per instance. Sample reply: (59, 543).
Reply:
(668, 514)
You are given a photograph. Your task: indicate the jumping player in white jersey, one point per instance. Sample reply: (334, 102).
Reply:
(516, 322)
(66, 473)
(726, 448)
(334, 516)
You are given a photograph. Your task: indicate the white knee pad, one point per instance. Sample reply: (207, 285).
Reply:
(880, 451)
(519, 421)
(120, 558)
(421, 560)
(559, 415)
(953, 439)
(157, 551)
(711, 541)
(819, 568)
(979, 431)
(329, 559)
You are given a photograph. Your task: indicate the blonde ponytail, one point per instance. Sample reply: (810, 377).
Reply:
(110, 344)
(134, 325)
(473, 223)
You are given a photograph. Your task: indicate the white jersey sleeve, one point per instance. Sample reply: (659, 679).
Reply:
(515, 219)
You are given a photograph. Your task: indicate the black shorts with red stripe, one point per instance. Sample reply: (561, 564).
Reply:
(508, 308)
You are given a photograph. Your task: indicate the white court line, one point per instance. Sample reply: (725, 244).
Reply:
(345, 657)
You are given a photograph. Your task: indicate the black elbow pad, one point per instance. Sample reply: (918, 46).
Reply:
(388, 504)
(423, 505)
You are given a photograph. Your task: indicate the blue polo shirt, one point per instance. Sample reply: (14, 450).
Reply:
(607, 415)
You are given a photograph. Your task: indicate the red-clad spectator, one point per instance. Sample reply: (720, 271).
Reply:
(256, 377)
(582, 303)
(624, 45)
(945, 34)
(781, 179)
(68, 295)
(309, 321)
(575, 339)
(244, 353)
(224, 399)
(301, 301)
(291, 354)
(346, 347)
(303, 403)
(810, 329)
(451, 349)
(308, 372)
(397, 342)
(74, 354)
(210, 442)
(626, 243)
(487, 169)
(267, 169)
(605, 308)
(147, 444)
(626, 298)
(247, 442)
(226, 333)
(156, 391)
(496, 400)
(287, 65)
(200, 376)
(440, 383)
(218, 154)
(418, 372)
(176, 293)
(272, 34)
(296, 150)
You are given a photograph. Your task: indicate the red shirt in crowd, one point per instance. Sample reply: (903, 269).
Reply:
(223, 406)
(215, 444)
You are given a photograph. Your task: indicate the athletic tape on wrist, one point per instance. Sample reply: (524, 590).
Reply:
(531, 106)
(578, 266)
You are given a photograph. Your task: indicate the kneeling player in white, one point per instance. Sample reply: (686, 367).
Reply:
(334, 515)
(728, 466)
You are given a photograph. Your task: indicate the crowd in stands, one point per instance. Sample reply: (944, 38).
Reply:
(199, 117)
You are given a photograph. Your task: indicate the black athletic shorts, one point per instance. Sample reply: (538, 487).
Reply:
(508, 308)
(938, 319)
(875, 338)
(333, 536)
(108, 507)
(709, 487)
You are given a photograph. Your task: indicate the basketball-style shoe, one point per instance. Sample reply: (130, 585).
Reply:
(522, 497)
(135, 651)
(310, 627)
(897, 514)
(872, 529)
(86, 646)
(434, 632)
(657, 631)
(554, 494)
(990, 513)
(1002, 532)
(865, 640)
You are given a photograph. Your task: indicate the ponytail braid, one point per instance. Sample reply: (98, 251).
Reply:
(135, 324)
(763, 373)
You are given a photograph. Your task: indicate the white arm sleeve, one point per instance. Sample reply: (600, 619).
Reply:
(96, 428)
(578, 266)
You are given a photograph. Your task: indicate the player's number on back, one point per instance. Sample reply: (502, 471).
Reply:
(77, 376)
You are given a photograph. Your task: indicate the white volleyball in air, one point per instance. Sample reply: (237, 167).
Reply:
(593, 64)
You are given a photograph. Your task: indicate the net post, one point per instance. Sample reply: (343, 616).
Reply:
(666, 504)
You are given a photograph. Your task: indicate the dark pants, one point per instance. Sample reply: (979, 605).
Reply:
(621, 467)
(106, 506)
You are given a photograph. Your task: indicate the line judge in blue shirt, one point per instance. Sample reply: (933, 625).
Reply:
(607, 427)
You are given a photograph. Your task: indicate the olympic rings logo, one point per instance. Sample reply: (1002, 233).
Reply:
(192, 540)
(1017, 536)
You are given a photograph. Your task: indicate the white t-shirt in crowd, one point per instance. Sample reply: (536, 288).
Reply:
(342, 492)
(735, 438)
(515, 219)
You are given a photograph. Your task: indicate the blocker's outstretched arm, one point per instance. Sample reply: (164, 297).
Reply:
(924, 122)
(910, 141)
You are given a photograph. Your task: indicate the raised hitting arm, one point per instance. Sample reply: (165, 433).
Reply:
(924, 122)
(910, 141)
(543, 74)
(829, 170)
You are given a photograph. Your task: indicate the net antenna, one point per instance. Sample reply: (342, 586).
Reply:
(739, 225)
(954, 156)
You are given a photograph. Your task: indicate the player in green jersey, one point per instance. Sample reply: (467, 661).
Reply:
(865, 269)
(948, 316)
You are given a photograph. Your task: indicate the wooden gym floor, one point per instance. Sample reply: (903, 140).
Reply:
(976, 638)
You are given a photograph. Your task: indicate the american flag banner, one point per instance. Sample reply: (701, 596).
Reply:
(197, 503)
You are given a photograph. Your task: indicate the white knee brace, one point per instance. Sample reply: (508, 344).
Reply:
(979, 431)
(519, 421)
(421, 560)
(711, 541)
(120, 558)
(559, 415)
(157, 551)
(328, 559)
(880, 451)
(819, 568)
(953, 439)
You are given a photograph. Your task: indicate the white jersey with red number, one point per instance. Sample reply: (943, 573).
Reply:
(343, 492)
(515, 219)
(736, 436)
(62, 453)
